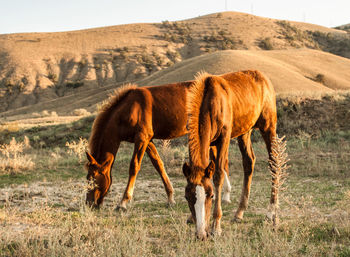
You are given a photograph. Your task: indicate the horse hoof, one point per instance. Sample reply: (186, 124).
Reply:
(190, 220)
(216, 233)
(120, 209)
(171, 203)
(272, 218)
(237, 220)
(225, 201)
(202, 236)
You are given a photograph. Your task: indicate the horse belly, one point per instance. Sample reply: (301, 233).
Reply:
(244, 123)
(169, 126)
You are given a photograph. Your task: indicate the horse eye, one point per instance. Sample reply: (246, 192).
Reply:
(212, 196)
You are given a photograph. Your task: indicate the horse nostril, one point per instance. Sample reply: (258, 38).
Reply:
(202, 235)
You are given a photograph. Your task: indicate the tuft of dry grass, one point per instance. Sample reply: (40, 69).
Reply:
(13, 158)
(81, 112)
(278, 169)
(172, 155)
(77, 148)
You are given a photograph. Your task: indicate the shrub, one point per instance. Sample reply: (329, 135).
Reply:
(77, 148)
(320, 78)
(53, 77)
(278, 169)
(172, 155)
(46, 113)
(82, 64)
(81, 112)
(266, 44)
(74, 84)
(12, 156)
(10, 127)
(54, 114)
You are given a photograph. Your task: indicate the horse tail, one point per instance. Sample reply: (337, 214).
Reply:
(194, 102)
(104, 114)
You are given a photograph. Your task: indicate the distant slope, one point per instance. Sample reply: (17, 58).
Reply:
(291, 71)
(345, 27)
(40, 67)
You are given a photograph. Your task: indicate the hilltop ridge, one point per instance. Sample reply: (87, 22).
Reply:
(38, 68)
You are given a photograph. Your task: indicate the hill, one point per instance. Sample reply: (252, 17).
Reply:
(345, 27)
(302, 71)
(294, 70)
(37, 68)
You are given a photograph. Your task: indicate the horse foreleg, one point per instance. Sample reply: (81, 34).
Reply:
(248, 158)
(227, 185)
(135, 165)
(158, 164)
(218, 178)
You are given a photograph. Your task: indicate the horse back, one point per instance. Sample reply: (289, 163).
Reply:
(242, 99)
(159, 111)
(169, 116)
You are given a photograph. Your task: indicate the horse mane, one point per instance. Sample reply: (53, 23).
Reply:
(194, 102)
(104, 114)
(255, 74)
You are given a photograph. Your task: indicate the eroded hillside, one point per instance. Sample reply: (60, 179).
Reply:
(39, 67)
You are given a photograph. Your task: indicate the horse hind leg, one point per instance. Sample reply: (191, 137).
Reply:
(159, 166)
(248, 158)
(135, 165)
(269, 134)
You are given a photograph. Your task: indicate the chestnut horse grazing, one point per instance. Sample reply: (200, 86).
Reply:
(135, 115)
(220, 108)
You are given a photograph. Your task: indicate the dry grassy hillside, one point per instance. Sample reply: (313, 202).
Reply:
(301, 71)
(295, 70)
(40, 67)
(345, 27)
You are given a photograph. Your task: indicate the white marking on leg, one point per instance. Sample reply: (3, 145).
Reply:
(200, 211)
(226, 189)
(131, 193)
(171, 200)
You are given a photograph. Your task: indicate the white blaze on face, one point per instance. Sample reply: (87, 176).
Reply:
(200, 209)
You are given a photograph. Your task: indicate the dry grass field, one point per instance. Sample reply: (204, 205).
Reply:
(43, 212)
(52, 84)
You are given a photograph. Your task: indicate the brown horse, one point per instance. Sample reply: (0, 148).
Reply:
(221, 108)
(136, 115)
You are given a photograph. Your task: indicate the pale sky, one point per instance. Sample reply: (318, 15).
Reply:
(62, 15)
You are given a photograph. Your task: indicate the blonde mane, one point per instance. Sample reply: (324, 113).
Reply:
(194, 102)
(104, 113)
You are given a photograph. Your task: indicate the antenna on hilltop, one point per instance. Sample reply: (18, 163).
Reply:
(225, 5)
(251, 8)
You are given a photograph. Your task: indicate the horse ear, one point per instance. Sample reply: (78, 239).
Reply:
(209, 171)
(90, 158)
(186, 169)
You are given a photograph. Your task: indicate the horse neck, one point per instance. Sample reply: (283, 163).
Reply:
(105, 141)
(107, 145)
